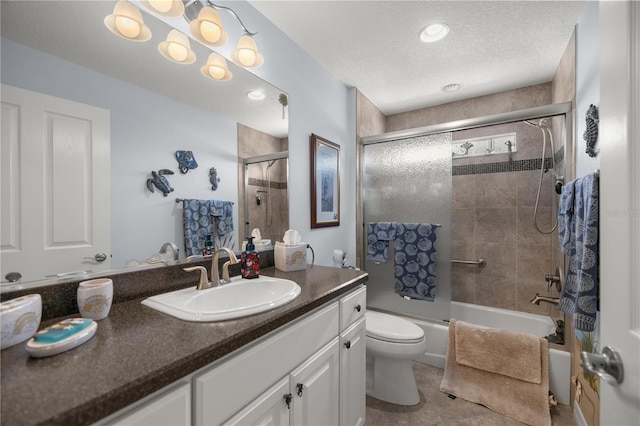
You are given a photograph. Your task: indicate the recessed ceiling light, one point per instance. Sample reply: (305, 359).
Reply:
(451, 87)
(256, 95)
(434, 32)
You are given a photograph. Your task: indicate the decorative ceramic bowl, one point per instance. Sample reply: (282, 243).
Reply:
(19, 319)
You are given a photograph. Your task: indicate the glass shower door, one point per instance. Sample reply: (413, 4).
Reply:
(409, 181)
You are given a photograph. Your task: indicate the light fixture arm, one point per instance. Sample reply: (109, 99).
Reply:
(246, 31)
(192, 7)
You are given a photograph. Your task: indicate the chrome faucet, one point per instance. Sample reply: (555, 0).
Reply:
(215, 275)
(536, 300)
(166, 246)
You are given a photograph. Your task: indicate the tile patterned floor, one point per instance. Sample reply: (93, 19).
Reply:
(437, 409)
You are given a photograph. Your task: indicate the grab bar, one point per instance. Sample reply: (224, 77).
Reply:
(480, 263)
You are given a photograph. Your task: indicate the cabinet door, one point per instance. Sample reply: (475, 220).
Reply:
(169, 408)
(314, 388)
(353, 374)
(270, 408)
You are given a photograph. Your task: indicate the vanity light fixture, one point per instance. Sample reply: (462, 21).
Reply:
(177, 48)
(434, 32)
(216, 68)
(168, 8)
(246, 53)
(126, 22)
(451, 87)
(207, 27)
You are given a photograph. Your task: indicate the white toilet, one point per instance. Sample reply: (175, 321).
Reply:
(392, 342)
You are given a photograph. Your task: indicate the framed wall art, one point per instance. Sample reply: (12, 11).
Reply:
(325, 182)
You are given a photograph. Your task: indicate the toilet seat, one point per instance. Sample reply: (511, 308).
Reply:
(389, 328)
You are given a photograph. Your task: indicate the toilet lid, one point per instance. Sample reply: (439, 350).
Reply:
(391, 328)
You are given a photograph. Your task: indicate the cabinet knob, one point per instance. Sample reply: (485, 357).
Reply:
(358, 308)
(347, 344)
(287, 400)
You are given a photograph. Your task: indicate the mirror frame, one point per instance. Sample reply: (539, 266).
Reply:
(325, 182)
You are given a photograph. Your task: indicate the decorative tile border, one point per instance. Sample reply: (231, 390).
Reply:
(263, 183)
(506, 166)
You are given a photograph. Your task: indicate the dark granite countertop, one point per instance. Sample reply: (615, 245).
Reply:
(137, 351)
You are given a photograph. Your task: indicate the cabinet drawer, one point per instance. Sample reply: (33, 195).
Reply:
(353, 307)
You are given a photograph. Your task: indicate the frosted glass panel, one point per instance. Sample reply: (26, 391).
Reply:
(409, 180)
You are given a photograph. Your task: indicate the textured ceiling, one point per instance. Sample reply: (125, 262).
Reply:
(374, 45)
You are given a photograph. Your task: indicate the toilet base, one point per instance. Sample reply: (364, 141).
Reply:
(392, 380)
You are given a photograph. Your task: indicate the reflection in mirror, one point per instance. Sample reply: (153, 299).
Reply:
(263, 175)
(266, 198)
(155, 107)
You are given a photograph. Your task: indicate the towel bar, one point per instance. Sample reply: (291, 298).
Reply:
(481, 263)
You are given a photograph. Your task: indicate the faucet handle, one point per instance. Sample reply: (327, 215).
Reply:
(203, 283)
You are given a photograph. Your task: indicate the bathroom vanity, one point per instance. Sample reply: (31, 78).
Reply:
(301, 363)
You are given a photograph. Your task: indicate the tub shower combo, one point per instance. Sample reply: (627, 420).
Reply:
(408, 177)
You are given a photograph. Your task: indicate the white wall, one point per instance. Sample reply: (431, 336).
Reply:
(587, 82)
(318, 103)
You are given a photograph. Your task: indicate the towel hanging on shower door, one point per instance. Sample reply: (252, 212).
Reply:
(415, 260)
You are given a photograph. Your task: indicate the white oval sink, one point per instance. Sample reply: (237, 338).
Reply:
(237, 299)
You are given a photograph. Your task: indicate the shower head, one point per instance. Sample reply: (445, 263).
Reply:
(542, 123)
(270, 163)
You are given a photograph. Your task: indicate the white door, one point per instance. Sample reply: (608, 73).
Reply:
(55, 185)
(314, 388)
(353, 374)
(619, 143)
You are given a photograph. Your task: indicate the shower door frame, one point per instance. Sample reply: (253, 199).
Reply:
(564, 109)
(280, 155)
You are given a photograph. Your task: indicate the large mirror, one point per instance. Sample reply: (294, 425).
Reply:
(154, 107)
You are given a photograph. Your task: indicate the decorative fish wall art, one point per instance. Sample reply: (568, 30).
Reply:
(186, 161)
(213, 178)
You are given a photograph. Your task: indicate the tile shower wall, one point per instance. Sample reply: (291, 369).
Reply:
(272, 215)
(493, 203)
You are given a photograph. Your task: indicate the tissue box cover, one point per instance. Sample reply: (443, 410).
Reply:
(20, 319)
(290, 257)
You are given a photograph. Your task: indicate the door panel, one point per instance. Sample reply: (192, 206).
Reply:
(620, 206)
(55, 185)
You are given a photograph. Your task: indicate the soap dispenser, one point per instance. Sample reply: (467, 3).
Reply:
(250, 261)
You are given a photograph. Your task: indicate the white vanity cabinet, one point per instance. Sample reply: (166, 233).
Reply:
(168, 407)
(353, 358)
(312, 371)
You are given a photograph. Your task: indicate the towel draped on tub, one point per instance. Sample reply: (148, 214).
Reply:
(205, 217)
(507, 372)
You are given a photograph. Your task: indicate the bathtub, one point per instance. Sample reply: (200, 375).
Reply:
(437, 336)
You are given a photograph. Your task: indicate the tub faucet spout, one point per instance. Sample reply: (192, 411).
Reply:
(536, 300)
(216, 279)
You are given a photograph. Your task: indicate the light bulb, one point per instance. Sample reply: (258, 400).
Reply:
(162, 6)
(127, 27)
(210, 31)
(217, 72)
(247, 57)
(177, 51)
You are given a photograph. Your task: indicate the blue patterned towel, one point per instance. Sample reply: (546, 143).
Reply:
(378, 236)
(415, 260)
(205, 217)
(578, 229)
(223, 212)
